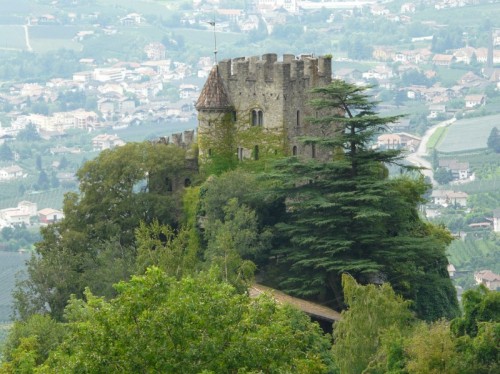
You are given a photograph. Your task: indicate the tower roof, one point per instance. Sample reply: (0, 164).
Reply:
(214, 94)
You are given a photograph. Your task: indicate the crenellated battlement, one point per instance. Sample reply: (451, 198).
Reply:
(267, 68)
(262, 91)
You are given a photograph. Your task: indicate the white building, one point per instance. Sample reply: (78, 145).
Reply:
(446, 198)
(109, 74)
(20, 215)
(106, 141)
(11, 172)
(496, 220)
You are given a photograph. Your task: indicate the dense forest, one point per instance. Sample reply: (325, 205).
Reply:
(144, 276)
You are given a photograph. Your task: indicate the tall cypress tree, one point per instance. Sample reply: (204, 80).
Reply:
(345, 215)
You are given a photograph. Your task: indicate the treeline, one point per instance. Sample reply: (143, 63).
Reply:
(144, 274)
(34, 67)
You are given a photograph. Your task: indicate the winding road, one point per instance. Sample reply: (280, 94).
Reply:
(417, 158)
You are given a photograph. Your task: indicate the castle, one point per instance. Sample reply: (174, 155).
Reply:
(256, 105)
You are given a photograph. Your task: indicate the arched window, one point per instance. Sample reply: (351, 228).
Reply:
(257, 117)
(256, 152)
(294, 150)
(187, 182)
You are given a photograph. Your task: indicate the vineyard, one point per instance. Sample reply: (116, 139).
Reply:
(475, 255)
(10, 264)
(16, 39)
(475, 130)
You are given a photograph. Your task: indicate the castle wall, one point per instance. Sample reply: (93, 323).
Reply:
(280, 89)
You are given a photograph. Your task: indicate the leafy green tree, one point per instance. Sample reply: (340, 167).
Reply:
(479, 354)
(44, 335)
(233, 241)
(371, 311)
(479, 305)
(158, 324)
(431, 349)
(443, 175)
(346, 215)
(162, 246)
(28, 134)
(100, 224)
(6, 153)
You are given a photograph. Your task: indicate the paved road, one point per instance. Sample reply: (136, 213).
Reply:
(27, 37)
(417, 158)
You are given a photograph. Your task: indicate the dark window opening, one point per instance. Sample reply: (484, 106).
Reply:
(240, 153)
(257, 117)
(313, 150)
(298, 118)
(209, 152)
(187, 182)
(256, 152)
(233, 116)
(294, 150)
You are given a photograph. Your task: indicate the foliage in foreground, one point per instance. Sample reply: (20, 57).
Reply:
(158, 323)
(379, 335)
(197, 324)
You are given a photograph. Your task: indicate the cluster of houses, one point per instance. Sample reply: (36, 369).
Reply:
(27, 213)
(488, 279)
(126, 94)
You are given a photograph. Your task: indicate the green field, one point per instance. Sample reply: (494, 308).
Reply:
(475, 255)
(12, 37)
(437, 137)
(468, 16)
(44, 199)
(53, 32)
(45, 45)
(10, 264)
(468, 134)
(23, 7)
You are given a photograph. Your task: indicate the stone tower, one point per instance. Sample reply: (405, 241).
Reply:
(264, 97)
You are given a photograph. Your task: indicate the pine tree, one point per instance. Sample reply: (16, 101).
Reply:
(494, 140)
(347, 215)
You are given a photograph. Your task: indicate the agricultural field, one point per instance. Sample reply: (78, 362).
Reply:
(45, 199)
(465, 253)
(475, 130)
(470, 256)
(464, 16)
(10, 265)
(23, 8)
(437, 137)
(12, 37)
(153, 131)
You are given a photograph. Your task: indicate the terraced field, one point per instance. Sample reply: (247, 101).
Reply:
(475, 255)
(12, 37)
(474, 130)
(10, 264)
